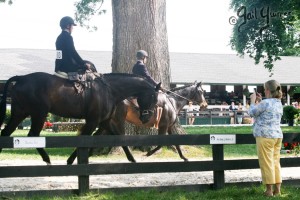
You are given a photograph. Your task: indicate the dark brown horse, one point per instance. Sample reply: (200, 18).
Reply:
(172, 103)
(37, 94)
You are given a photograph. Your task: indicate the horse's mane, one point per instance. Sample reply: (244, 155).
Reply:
(180, 88)
(102, 77)
(122, 74)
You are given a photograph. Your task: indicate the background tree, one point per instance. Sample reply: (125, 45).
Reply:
(266, 29)
(8, 1)
(137, 24)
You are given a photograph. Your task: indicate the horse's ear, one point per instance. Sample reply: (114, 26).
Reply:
(195, 82)
(158, 87)
(199, 84)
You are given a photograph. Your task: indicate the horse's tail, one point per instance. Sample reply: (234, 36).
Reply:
(3, 99)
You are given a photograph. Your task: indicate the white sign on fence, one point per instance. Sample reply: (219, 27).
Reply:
(222, 139)
(29, 142)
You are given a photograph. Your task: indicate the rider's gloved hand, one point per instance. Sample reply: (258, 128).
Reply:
(162, 89)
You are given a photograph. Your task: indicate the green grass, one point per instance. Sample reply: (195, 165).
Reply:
(233, 129)
(228, 193)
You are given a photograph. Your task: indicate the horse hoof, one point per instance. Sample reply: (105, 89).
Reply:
(185, 160)
(148, 154)
(47, 162)
(69, 163)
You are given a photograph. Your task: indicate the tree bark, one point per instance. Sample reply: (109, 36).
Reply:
(141, 24)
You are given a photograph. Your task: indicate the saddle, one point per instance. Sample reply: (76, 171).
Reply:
(80, 80)
(133, 114)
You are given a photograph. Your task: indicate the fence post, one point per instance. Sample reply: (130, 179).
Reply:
(186, 117)
(83, 181)
(219, 176)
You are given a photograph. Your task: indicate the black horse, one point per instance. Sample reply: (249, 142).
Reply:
(172, 103)
(37, 94)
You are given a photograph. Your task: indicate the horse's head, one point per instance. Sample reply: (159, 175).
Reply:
(147, 101)
(198, 95)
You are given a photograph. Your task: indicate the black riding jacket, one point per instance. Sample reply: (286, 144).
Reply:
(140, 69)
(67, 58)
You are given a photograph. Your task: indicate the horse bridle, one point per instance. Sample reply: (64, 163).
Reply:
(194, 102)
(149, 111)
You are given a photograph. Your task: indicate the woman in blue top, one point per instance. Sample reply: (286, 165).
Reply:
(267, 132)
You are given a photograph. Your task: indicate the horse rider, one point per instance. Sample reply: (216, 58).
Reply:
(140, 68)
(67, 58)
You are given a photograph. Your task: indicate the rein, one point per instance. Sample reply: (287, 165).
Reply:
(182, 97)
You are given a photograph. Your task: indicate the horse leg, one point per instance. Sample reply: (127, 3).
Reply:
(87, 129)
(116, 126)
(99, 131)
(180, 153)
(161, 131)
(177, 146)
(102, 131)
(12, 124)
(72, 157)
(35, 130)
(128, 154)
(149, 153)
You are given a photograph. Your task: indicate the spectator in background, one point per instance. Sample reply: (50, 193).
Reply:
(190, 113)
(268, 135)
(232, 106)
(239, 113)
(222, 108)
(224, 103)
(232, 115)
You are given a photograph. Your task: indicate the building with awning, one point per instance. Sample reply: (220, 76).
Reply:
(216, 71)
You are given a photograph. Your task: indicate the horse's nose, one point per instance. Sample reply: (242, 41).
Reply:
(145, 118)
(203, 104)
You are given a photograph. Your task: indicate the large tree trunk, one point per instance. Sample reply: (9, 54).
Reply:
(141, 24)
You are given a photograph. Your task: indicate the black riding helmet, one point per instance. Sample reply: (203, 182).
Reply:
(141, 54)
(66, 21)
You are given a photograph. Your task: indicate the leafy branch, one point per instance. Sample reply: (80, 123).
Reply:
(9, 1)
(85, 10)
(266, 30)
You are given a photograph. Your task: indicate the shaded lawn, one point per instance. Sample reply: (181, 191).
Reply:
(228, 193)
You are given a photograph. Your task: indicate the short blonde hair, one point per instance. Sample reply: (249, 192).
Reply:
(275, 88)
